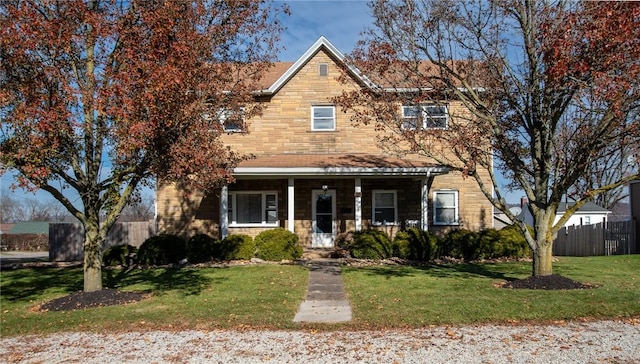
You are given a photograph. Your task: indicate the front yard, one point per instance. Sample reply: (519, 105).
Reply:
(268, 296)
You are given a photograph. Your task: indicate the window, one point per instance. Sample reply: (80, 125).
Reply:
(253, 208)
(232, 121)
(384, 207)
(429, 116)
(445, 207)
(323, 118)
(323, 69)
(586, 220)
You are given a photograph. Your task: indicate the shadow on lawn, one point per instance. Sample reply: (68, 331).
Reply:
(186, 281)
(29, 283)
(462, 270)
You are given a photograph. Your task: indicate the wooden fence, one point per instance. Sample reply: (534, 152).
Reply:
(66, 239)
(609, 238)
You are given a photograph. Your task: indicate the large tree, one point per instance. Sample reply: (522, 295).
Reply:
(551, 88)
(99, 96)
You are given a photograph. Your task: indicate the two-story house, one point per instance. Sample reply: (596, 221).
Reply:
(316, 174)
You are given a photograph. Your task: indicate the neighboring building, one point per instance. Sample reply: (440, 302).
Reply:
(30, 227)
(501, 220)
(4, 228)
(588, 214)
(316, 174)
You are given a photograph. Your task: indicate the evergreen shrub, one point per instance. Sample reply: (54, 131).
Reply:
(367, 244)
(415, 244)
(237, 247)
(277, 244)
(202, 248)
(118, 255)
(162, 249)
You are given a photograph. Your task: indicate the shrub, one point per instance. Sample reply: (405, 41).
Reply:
(118, 255)
(415, 244)
(162, 249)
(368, 244)
(202, 248)
(27, 242)
(513, 242)
(278, 244)
(487, 244)
(490, 245)
(237, 247)
(460, 244)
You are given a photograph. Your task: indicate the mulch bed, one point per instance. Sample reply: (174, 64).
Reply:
(551, 282)
(80, 300)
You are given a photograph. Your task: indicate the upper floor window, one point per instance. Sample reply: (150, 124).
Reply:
(445, 208)
(253, 208)
(232, 121)
(384, 207)
(323, 118)
(425, 116)
(323, 69)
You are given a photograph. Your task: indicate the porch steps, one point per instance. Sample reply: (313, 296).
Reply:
(317, 253)
(326, 301)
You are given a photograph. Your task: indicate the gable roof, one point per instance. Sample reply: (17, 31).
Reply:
(589, 207)
(321, 44)
(282, 72)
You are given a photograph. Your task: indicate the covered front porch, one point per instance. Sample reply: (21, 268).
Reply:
(318, 197)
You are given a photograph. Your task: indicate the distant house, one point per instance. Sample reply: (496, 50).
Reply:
(501, 220)
(4, 228)
(30, 227)
(588, 214)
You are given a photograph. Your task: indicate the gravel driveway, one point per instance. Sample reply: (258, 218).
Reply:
(574, 342)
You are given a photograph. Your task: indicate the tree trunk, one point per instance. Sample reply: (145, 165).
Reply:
(92, 258)
(542, 259)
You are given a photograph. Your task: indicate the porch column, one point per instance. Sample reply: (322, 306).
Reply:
(358, 204)
(424, 208)
(224, 212)
(290, 205)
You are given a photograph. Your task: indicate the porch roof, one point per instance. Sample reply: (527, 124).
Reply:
(335, 165)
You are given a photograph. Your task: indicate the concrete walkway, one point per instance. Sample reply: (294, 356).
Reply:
(326, 301)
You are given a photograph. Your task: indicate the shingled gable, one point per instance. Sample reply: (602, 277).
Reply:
(282, 72)
(321, 43)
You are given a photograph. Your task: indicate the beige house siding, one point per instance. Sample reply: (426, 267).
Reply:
(197, 213)
(285, 124)
(285, 127)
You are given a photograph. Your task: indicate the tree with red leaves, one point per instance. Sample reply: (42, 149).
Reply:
(100, 96)
(550, 88)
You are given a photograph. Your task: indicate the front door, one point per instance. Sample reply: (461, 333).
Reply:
(324, 218)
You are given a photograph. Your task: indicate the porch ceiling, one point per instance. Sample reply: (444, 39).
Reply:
(335, 164)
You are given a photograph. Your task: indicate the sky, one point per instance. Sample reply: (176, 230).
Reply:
(341, 22)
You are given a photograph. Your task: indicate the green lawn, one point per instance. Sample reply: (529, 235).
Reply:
(202, 298)
(267, 296)
(466, 293)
